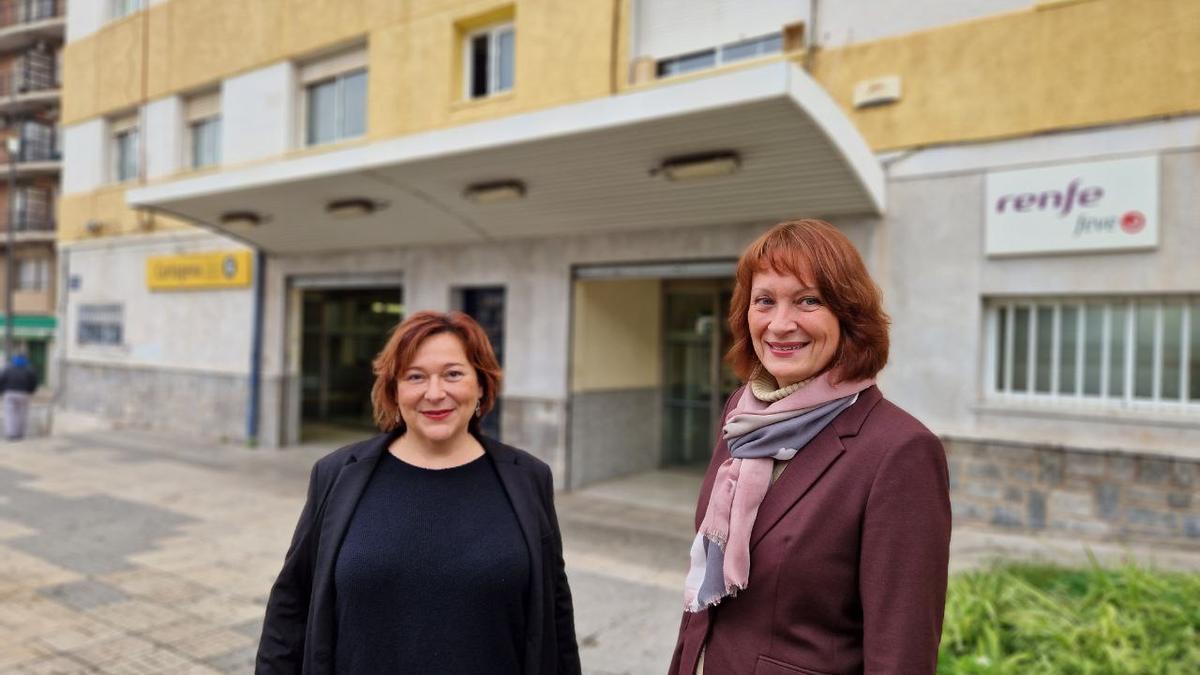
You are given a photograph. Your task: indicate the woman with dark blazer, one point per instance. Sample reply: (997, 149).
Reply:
(429, 548)
(823, 523)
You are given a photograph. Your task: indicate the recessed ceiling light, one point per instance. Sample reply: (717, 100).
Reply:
(241, 219)
(705, 165)
(352, 207)
(497, 191)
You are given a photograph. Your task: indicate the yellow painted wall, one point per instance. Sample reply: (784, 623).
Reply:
(617, 335)
(564, 53)
(1055, 67)
(107, 205)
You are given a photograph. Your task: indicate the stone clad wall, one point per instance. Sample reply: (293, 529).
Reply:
(1109, 496)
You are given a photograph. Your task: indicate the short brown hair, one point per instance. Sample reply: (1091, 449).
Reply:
(818, 248)
(402, 347)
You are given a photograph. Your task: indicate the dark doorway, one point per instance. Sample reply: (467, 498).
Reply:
(486, 305)
(344, 329)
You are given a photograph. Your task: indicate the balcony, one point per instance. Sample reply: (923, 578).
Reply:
(33, 225)
(26, 22)
(38, 157)
(26, 87)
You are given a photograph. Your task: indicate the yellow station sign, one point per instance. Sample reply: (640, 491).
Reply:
(219, 269)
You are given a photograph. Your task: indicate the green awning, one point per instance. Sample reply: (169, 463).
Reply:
(31, 325)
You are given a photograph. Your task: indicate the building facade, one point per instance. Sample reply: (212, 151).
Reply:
(31, 38)
(244, 218)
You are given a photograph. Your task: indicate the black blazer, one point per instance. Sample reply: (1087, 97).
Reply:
(298, 631)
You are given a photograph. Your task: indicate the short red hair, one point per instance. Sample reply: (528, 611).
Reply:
(816, 248)
(401, 348)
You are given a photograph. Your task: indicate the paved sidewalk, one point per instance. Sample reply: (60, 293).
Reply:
(125, 552)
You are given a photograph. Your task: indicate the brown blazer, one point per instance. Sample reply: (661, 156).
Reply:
(848, 557)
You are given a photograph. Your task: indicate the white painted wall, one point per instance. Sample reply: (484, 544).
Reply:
(163, 137)
(664, 28)
(937, 278)
(85, 152)
(536, 274)
(205, 331)
(842, 22)
(258, 111)
(85, 17)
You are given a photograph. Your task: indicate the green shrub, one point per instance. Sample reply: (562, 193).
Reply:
(1031, 619)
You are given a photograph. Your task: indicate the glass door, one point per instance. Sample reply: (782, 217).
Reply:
(486, 305)
(696, 380)
(343, 331)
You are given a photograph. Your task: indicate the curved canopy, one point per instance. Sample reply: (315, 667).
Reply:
(585, 167)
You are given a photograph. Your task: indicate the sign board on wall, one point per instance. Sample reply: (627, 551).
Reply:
(196, 271)
(1096, 206)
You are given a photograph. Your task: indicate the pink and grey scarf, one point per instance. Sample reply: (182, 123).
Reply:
(757, 432)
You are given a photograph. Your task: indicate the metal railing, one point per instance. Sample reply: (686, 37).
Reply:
(26, 75)
(34, 150)
(29, 220)
(15, 12)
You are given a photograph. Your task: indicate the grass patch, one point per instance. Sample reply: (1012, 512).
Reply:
(1038, 619)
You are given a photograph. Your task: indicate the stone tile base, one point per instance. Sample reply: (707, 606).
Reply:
(1101, 496)
(210, 407)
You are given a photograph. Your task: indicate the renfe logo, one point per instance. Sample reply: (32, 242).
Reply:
(1063, 201)
(1066, 200)
(1093, 206)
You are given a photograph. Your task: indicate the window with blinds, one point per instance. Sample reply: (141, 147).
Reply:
(1116, 351)
(124, 148)
(202, 114)
(334, 94)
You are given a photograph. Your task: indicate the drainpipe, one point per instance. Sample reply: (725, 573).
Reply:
(810, 49)
(614, 64)
(256, 340)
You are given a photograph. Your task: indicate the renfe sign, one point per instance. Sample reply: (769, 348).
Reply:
(1079, 207)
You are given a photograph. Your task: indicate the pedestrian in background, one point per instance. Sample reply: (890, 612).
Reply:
(823, 524)
(429, 548)
(17, 382)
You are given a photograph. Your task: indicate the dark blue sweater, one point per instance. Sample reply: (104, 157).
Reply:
(432, 575)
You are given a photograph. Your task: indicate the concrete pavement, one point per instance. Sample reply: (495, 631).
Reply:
(127, 552)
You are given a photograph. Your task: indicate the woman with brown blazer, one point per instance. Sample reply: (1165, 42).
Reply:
(823, 523)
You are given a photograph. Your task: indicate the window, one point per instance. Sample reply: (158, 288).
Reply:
(489, 61)
(335, 98)
(125, 165)
(100, 324)
(120, 8)
(1116, 351)
(203, 116)
(748, 49)
(687, 63)
(31, 209)
(728, 53)
(37, 142)
(33, 274)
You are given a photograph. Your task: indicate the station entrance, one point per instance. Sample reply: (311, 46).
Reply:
(343, 330)
(648, 376)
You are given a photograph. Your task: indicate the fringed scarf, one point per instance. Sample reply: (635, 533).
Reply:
(764, 426)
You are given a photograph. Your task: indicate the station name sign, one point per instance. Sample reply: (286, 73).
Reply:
(198, 271)
(1097, 206)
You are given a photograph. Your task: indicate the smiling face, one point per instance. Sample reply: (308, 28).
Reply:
(438, 391)
(794, 333)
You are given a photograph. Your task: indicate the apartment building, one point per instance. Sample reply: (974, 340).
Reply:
(31, 38)
(255, 192)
